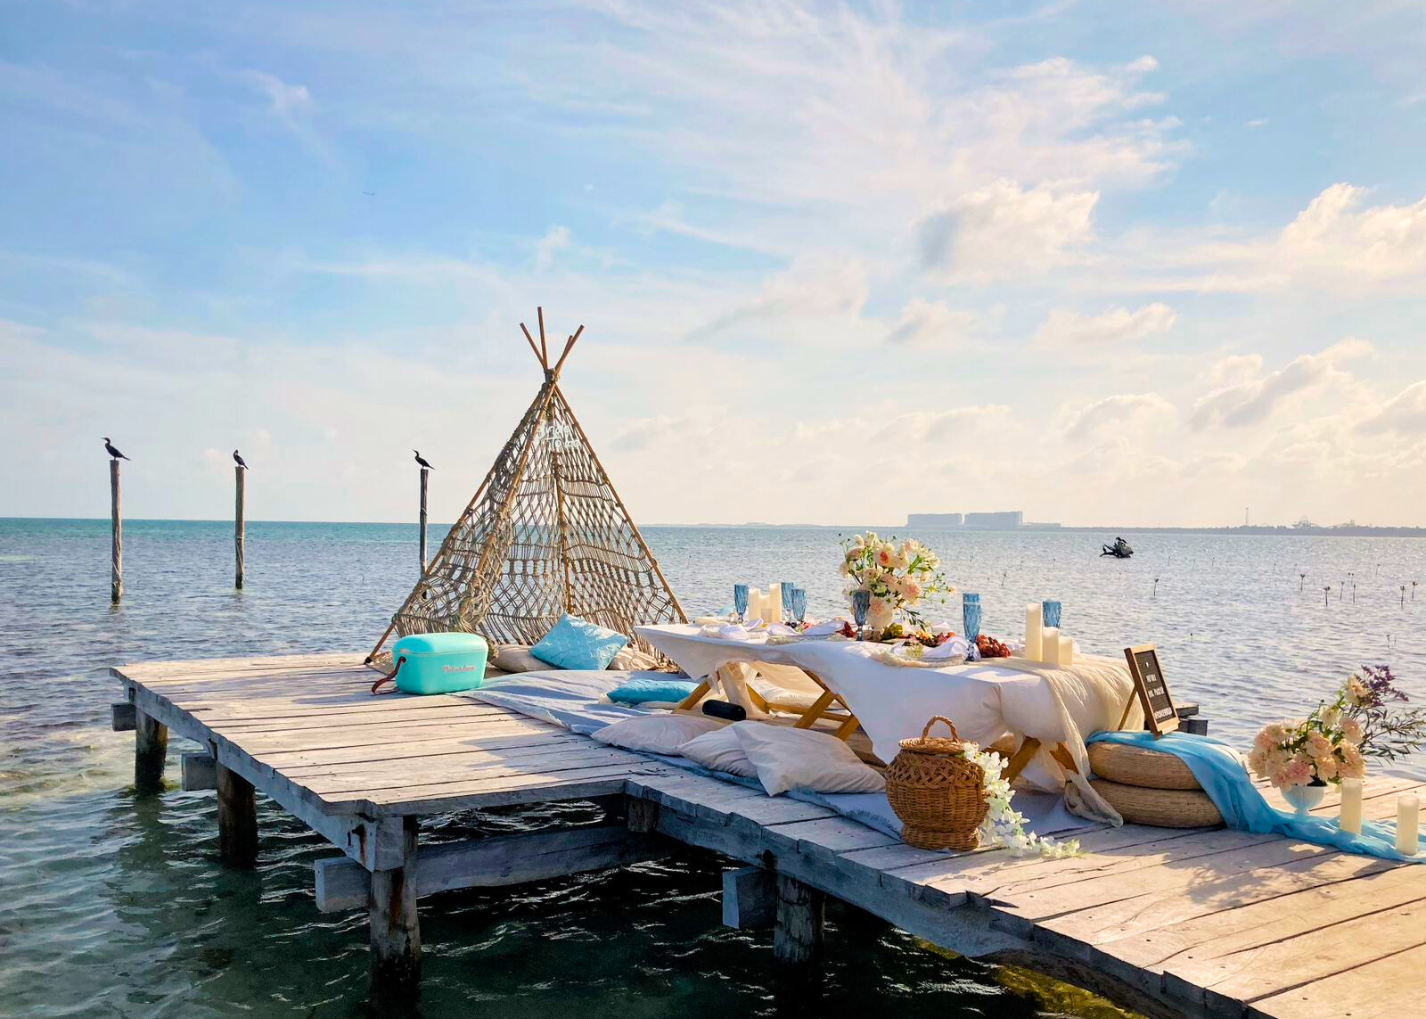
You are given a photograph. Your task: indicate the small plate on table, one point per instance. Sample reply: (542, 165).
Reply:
(913, 656)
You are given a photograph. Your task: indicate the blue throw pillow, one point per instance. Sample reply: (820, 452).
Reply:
(576, 643)
(653, 688)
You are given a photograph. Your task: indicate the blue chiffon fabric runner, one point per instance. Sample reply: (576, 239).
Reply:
(1219, 769)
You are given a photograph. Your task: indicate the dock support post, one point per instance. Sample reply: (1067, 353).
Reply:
(425, 476)
(239, 523)
(395, 932)
(798, 929)
(237, 820)
(116, 556)
(150, 750)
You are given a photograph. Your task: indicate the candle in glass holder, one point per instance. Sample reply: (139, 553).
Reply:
(1066, 652)
(1034, 623)
(1050, 645)
(1351, 816)
(1408, 818)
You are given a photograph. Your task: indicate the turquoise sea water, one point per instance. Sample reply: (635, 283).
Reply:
(111, 906)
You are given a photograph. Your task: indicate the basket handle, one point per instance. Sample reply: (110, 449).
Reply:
(926, 732)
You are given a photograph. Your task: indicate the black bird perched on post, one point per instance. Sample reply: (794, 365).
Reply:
(422, 460)
(239, 460)
(109, 448)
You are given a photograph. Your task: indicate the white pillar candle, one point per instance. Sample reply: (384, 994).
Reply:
(1408, 818)
(1050, 645)
(1066, 652)
(774, 604)
(1351, 818)
(1034, 623)
(755, 605)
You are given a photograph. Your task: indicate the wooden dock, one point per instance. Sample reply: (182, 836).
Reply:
(1191, 923)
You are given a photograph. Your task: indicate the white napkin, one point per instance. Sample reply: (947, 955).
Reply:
(781, 630)
(822, 629)
(955, 647)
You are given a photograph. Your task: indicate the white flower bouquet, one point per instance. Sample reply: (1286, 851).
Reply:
(898, 578)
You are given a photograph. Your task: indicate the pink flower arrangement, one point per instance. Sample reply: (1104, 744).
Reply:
(897, 576)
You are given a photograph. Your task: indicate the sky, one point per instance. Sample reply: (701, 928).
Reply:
(1152, 263)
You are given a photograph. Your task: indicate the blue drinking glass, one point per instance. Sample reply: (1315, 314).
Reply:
(787, 588)
(798, 604)
(861, 605)
(970, 616)
(740, 601)
(1052, 613)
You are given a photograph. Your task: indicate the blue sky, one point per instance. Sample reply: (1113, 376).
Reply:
(1144, 263)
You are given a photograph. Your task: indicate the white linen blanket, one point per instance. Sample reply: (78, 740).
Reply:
(986, 699)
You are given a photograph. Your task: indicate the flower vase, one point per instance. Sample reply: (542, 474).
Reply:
(880, 615)
(1304, 797)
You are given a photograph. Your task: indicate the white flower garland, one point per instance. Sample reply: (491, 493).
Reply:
(1004, 826)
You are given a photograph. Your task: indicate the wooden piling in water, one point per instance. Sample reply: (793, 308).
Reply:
(425, 475)
(395, 932)
(116, 568)
(237, 820)
(239, 522)
(150, 753)
(798, 928)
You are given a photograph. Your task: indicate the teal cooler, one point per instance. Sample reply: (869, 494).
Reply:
(439, 662)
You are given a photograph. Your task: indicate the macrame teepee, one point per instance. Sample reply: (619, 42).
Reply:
(544, 535)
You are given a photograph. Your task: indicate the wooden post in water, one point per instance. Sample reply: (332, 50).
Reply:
(798, 929)
(395, 932)
(150, 753)
(425, 475)
(237, 820)
(116, 568)
(239, 521)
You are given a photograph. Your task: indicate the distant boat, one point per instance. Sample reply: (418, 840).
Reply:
(1119, 550)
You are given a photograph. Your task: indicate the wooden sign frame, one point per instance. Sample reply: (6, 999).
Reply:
(1145, 695)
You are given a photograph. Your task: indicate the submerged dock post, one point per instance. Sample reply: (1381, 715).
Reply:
(425, 475)
(116, 569)
(395, 931)
(798, 929)
(237, 820)
(239, 522)
(150, 752)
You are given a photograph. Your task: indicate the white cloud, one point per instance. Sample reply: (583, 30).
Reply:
(936, 324)
(1002, 230)
(1404, 413)
(1117, 409)
(287, 102)
(1335, 235)
(555, 240)
(813, 287)
(1070, 330)
(1255, 399)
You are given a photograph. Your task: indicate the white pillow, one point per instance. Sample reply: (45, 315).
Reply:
(631, 659)
(720, 750)
(517, 658)
(788, 758)
(656, 734)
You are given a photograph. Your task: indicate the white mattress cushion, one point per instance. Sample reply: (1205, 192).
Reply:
(720, 750)
(656, 734)
(788, 758)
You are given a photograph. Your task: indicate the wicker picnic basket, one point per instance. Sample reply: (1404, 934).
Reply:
(937, 793)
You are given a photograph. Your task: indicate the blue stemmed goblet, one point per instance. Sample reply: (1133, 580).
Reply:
(971, 615)
(740, 601)
(861, 605)
(797, 604)
(1052, 613)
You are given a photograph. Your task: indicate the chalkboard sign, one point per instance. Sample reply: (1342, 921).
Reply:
(1160, 716)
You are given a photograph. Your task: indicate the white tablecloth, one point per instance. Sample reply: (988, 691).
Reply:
(985, 699)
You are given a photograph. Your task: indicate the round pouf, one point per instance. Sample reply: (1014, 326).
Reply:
(1161, 808)
(1136, 766)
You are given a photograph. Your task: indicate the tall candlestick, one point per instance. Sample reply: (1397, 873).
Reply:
(774, 604)
(1408, 818)
(1034, 623)
(1050, 645)
(1351, 818)
(1066, 652)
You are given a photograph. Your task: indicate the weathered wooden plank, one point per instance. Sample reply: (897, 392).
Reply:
(385, 717)
(123, 716)
(459, 769)
(197, 771)
(577, 783)
(1389, 988)
(340, 739)
(1264, 970)
(292, 761)
(493, 862)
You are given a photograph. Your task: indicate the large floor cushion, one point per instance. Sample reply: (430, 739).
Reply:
(1136, 766)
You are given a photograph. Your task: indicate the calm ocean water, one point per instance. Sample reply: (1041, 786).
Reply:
(111, 906)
